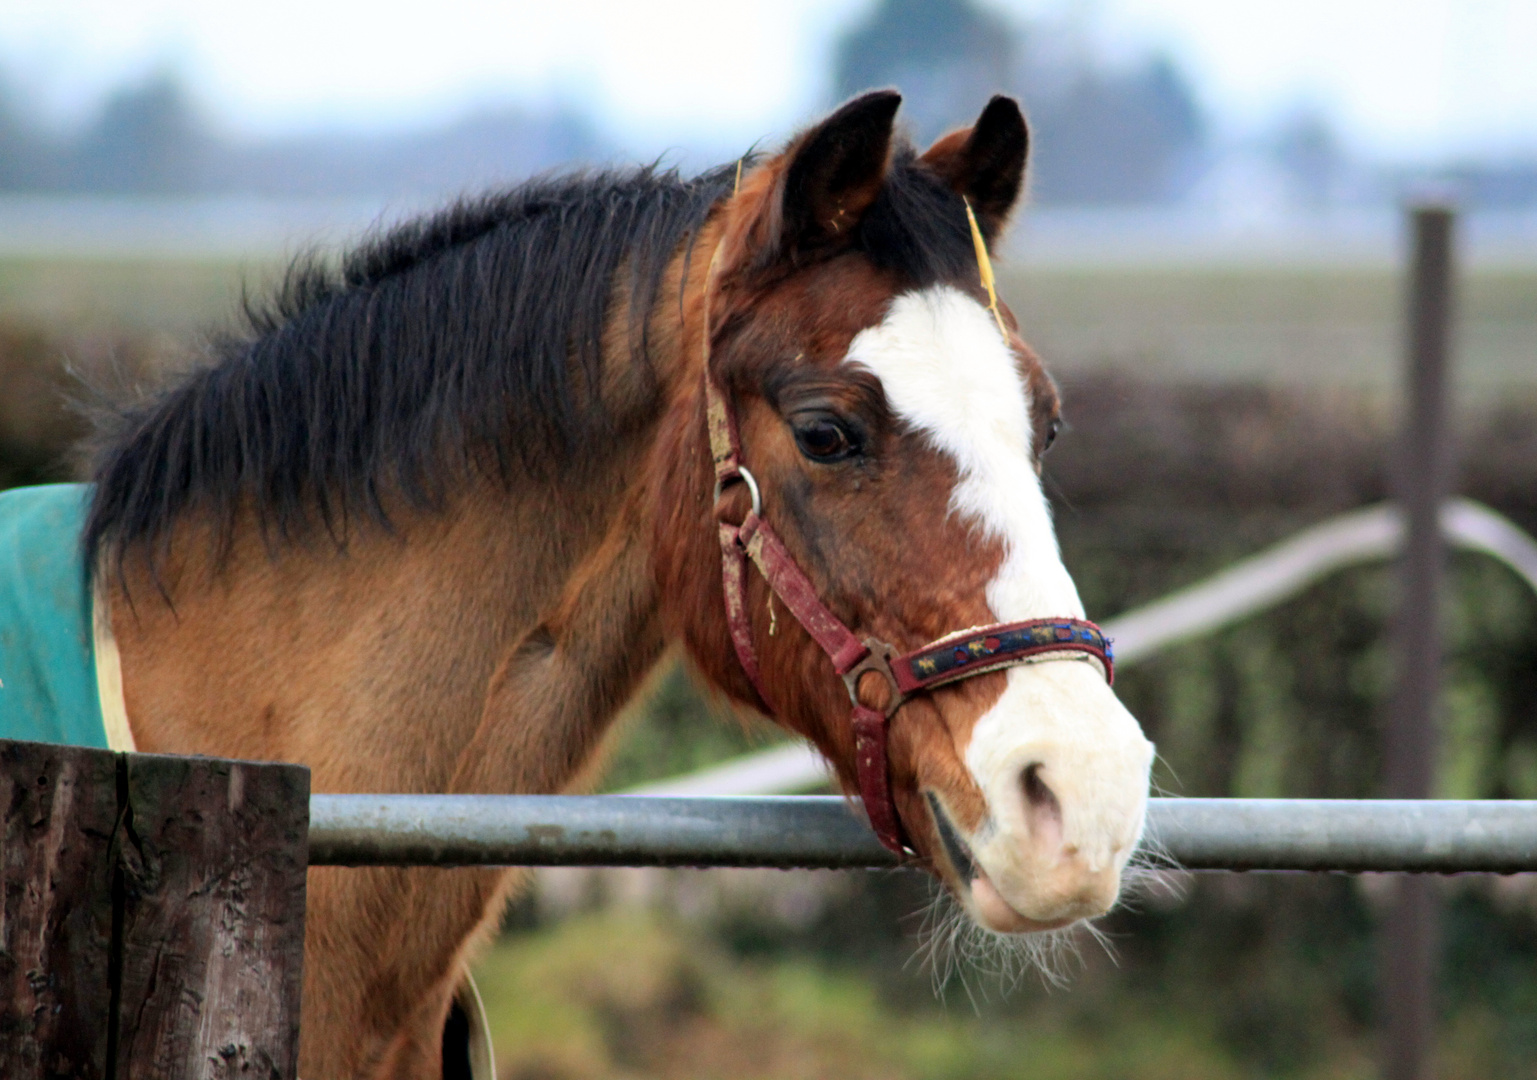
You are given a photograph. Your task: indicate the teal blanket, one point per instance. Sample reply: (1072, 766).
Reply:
(47, 658)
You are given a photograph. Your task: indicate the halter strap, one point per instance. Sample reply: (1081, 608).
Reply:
(961, 655)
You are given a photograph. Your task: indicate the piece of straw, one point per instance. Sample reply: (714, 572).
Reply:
(984, 267)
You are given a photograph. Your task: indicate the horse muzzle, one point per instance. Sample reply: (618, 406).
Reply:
(1065, 772)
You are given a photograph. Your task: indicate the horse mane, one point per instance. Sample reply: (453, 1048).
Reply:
(440, 344)
(442, 341)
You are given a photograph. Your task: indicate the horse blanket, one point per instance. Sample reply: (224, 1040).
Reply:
(60, 679)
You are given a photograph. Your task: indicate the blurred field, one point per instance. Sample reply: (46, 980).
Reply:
(644, 994)
(1295, 326)
(174, 297)
(1325, 326)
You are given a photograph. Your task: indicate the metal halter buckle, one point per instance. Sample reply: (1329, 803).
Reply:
(877, 660)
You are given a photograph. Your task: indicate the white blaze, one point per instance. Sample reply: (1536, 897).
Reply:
(949, 374)
(947, 371)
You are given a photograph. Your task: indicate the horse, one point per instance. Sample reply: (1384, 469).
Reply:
(430, 520)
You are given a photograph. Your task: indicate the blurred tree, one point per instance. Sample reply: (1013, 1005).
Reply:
(947, 56)
(1116, 137)
(151, 138)
(27, 160)
(485, 149)
(1311, 157)
(1100, 136)
(147, 138)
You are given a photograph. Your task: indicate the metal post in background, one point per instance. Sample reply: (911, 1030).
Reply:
(1410, 940)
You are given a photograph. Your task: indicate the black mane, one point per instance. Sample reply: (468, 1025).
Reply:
(445, 341)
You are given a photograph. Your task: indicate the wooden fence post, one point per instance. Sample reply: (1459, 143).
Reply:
(154, 915)
(60, 809)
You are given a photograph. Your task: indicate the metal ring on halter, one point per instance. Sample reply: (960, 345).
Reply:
(752, 489)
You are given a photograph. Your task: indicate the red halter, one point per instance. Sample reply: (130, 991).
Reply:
(956, 656)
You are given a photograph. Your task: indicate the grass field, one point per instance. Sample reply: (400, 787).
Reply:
(1326, 326)
(125, 296)
(1323, 326)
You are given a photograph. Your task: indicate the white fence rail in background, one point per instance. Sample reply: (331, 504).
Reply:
(1255, 583)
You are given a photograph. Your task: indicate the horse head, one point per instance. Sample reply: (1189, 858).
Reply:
(891, 422)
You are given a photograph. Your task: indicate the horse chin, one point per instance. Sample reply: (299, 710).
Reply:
(991, 911)
(976, 892)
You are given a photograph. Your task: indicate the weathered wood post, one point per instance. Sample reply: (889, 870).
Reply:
(60, 811)
(1410, 940)
(153, 913)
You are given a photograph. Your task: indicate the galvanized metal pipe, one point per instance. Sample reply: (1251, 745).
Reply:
(824, 831)
(590, 830)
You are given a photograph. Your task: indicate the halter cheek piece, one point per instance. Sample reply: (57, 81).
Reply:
(954, 657)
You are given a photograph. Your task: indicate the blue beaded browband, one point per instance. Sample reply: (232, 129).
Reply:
(973, 652)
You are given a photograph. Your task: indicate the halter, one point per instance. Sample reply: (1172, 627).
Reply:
(960, 655)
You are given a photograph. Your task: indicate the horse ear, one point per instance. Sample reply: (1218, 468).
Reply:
(986, 163)
(836, 170)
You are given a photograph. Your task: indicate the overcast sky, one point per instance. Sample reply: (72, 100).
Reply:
(1418, 79)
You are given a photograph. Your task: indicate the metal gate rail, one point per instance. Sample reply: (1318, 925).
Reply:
(1433, 836)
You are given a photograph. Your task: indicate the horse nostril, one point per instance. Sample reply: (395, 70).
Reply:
(1042, 811)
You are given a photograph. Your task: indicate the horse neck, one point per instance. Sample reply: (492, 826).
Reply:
(594, 628)
(356, 648)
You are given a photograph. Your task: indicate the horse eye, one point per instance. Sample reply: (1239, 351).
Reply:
(1053, 426)
(824, 439)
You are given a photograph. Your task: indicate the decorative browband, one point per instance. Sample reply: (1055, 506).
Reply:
(974, 652)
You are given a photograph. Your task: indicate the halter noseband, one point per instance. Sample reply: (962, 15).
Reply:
(956, 656)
